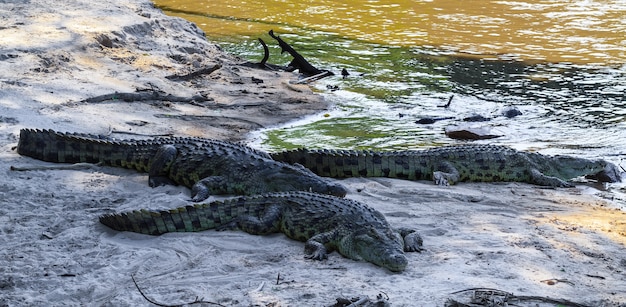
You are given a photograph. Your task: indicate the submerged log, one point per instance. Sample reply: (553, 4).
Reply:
(465, 132)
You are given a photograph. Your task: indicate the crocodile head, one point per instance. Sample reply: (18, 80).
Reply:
(568, 167)
(610, 173)
(383, 247)
(287, 177)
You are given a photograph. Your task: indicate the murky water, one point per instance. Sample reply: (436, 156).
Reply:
(562, 63)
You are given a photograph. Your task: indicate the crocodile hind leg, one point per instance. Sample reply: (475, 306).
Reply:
(446, 174)
(202, 189)
(539, 178)
(268, 222)
(159, 169)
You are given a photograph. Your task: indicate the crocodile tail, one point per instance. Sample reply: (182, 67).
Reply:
(198, 217)
(52, 146)
(357, 163)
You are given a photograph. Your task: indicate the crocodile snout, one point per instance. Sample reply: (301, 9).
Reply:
(396, 262)
(337, 190)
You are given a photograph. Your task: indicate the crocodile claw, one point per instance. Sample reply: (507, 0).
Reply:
(440, 178)
(315, 251)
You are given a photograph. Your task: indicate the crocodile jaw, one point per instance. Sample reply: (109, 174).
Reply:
(381, 247)
(571, 167)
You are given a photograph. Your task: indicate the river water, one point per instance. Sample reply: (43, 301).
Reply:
(561, 63)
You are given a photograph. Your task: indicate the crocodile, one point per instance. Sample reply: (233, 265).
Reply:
(324, 222)
(451, 164)
(204, 165)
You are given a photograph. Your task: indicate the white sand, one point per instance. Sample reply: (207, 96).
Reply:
(511, 237)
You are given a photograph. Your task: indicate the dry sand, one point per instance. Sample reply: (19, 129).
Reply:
(519, 238)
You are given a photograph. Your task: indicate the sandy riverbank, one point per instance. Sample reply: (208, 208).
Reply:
(563, 243)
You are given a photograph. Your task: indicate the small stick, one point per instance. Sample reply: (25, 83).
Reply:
(359, 302)
(449, 102)
(260, 288)
(314, 78)
(197, 301)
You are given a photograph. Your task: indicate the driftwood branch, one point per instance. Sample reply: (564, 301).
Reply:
(195, 74)
(150, 95)
(263, 64)
(298, 62)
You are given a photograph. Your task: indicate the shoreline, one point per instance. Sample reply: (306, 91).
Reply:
(59, 58)
(560, 243)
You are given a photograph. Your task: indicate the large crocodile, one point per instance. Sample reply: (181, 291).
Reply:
(206, 166)
(451, 164)
(324, 222)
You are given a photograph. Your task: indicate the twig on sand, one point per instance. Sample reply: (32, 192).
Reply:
(260, 287)
(197, 301)
(495, 297)
(554, 281)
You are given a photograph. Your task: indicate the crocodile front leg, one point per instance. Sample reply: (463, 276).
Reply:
(539, 178)
(315, 247)
(446, 174)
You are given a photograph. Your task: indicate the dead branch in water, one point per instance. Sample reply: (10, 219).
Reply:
(298, 62)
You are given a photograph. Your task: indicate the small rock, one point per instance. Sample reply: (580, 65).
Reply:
(104, 40)
(510, 112)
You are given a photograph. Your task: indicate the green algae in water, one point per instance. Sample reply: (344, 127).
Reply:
(350, 133)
